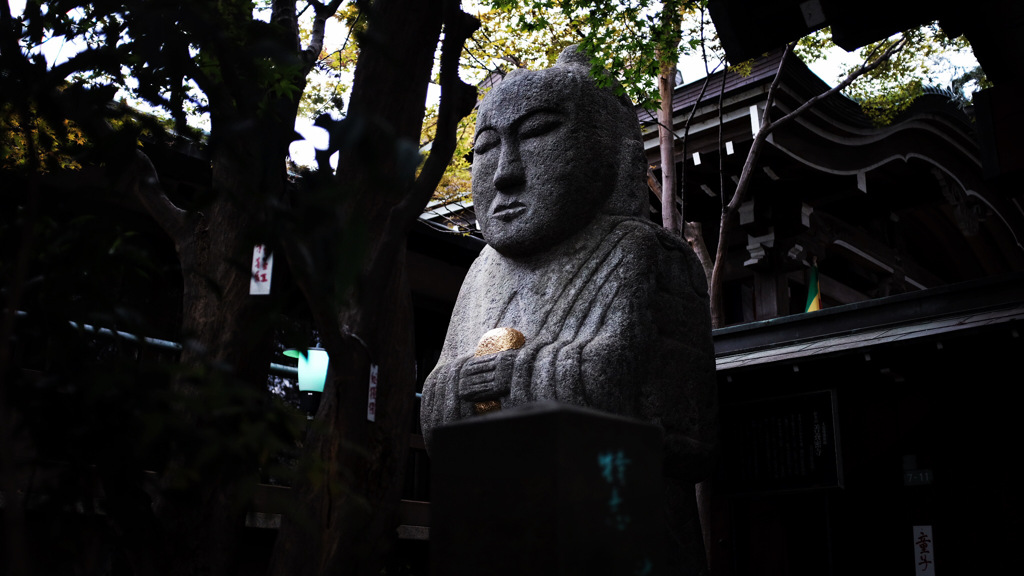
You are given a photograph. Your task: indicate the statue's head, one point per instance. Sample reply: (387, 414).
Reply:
(552, 151)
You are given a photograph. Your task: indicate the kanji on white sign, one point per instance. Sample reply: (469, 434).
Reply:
(262, 270)
(924, 551)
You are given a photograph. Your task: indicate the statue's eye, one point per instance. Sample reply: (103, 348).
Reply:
(485, 141)
(538, 124)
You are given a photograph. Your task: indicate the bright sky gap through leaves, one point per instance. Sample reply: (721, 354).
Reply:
(829, 68)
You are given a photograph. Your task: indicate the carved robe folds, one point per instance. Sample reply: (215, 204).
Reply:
(615, 318)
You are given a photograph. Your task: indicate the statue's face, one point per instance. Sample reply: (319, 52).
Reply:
(539, 173)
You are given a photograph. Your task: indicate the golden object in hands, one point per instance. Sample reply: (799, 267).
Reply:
(499, 340)
(486, 407)
(492, 342)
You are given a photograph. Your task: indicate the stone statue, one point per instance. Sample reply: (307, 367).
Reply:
(613, 309)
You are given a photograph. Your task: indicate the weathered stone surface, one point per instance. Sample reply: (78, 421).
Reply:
(613, 308)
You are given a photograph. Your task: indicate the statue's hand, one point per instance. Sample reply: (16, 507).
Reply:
(486, 377)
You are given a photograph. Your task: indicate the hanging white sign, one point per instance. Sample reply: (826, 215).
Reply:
(924, 551)
(262, 270)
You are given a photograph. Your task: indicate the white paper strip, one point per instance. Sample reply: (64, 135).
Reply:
(262, 271)
(924, 551)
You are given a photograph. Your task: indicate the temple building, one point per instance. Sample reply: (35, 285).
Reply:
(871, 434)
(883, 210)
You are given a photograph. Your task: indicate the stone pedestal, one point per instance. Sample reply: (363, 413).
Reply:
(544, 489)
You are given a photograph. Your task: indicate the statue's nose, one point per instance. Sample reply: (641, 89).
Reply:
(510, 171)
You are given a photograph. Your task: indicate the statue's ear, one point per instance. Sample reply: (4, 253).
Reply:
(630, 195)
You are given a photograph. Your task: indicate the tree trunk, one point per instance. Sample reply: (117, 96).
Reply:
(346, 505)
(670, 215)
(667, 53)
(693, 233)
(227, 338)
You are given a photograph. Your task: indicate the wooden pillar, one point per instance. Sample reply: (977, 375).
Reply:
(771, 295)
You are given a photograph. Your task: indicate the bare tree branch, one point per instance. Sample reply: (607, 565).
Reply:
(693, 233)
(864, 68)
(653, 183)
(145, 185)
(316, 41)
(457, 101)
(700, 96)
(759, 139)
(670, 217)
(767, 127)
(721, 129)
(715, 286)
(676, 137)
(667, 53)
(215, 91)
(105, 59)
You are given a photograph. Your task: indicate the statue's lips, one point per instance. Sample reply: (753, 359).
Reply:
(509, 212)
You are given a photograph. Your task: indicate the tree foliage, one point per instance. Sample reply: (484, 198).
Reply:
(456, 184)
(331, 78)
(633, 37)
(886, 91)
(56, 147)
(206, 424)
(508, 39)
